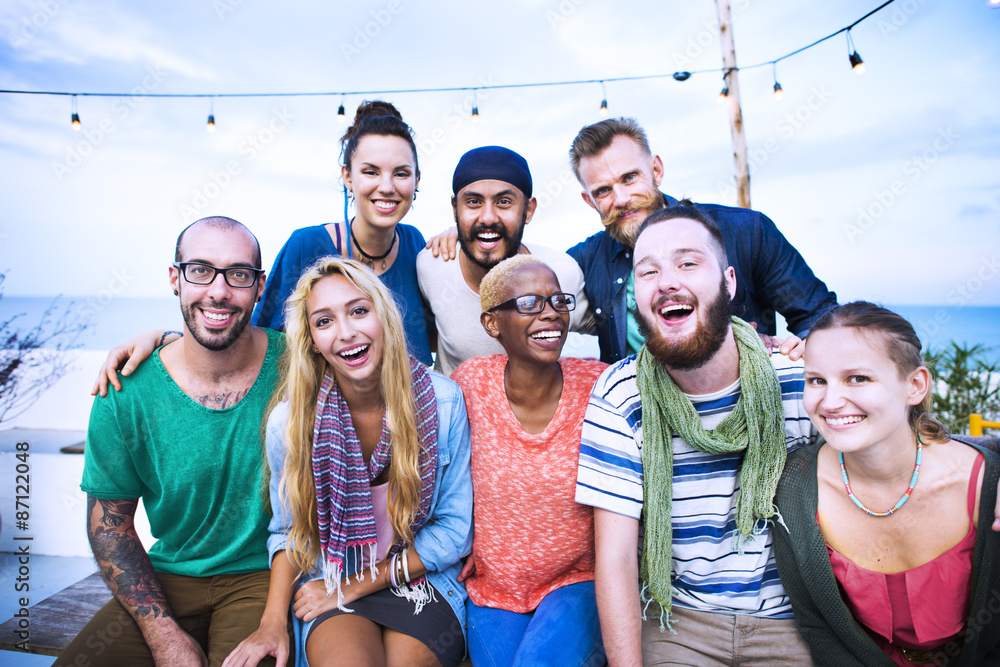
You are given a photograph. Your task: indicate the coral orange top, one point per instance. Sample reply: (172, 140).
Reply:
(919, 609)
(531, 537)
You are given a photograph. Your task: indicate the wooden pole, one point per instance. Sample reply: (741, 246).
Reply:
(733, 102)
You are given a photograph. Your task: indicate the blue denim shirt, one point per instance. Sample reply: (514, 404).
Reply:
(447, 535)
(770, 276)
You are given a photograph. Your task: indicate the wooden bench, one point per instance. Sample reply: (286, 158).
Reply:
(56, 620)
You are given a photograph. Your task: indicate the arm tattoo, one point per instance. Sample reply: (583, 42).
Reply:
(222, 401)
(123, 561)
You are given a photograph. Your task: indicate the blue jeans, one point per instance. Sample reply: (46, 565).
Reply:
(562, 630)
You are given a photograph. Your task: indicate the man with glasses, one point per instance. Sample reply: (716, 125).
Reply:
(492, 203)
(183, 434)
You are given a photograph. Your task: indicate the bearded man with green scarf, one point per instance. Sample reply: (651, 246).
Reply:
(682, 448)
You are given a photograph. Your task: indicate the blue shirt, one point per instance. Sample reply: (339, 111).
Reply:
(308, 244)
(770, 276)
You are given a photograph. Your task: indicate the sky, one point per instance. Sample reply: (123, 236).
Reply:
(888, 183)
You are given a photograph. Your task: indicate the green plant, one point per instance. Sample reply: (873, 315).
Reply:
(965, 382)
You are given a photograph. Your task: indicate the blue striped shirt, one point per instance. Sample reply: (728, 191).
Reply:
(709, 572)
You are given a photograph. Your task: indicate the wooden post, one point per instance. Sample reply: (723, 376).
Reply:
(733, 103)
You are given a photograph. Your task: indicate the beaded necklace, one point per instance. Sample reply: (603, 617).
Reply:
(906, 496)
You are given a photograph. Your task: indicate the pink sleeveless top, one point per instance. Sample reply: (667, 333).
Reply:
(384, 534)
(919, 609)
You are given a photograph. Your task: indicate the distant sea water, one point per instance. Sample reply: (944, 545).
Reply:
(110, 321)
(115, 320)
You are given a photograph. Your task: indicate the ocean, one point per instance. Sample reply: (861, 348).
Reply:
(115, 320)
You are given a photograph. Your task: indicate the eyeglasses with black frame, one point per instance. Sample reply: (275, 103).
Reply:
(532, 304)
(240, 277)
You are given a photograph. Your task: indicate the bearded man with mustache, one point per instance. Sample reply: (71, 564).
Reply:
(492, 203)
(621, 178)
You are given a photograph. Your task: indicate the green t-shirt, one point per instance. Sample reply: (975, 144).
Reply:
(197, 470)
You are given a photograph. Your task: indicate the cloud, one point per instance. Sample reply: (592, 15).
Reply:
(974, 210)
(71, 36)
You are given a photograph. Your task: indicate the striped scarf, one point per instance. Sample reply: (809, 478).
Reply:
(756, 426)
(343, 481)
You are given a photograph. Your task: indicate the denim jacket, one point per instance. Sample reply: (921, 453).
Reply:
(770, 276)
(447, 535)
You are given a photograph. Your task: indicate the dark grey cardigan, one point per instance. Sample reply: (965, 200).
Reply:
(825, 622)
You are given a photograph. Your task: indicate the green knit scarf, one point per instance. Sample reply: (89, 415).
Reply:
(756, 424)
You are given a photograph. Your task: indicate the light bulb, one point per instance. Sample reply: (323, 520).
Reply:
(857, 64)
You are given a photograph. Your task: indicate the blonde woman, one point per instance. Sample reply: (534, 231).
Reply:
(370, 486)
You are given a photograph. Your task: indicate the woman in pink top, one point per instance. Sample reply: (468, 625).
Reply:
(887, 554)
(530, 578)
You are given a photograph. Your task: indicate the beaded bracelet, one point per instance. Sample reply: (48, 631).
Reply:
(406, 565)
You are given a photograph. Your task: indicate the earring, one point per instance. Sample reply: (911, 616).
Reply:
(315, 349)
(258, 299)
(176, 293)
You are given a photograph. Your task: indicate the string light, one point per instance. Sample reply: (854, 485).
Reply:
(75, 118)
(857, 64)
(475, 106)
(604, 100)
(724, 93)
(211, 117)
(779, 94)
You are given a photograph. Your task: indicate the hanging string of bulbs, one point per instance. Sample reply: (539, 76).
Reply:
(857, 64)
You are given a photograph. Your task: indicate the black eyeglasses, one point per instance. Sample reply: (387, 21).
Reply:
(204, 274)
(532, 304)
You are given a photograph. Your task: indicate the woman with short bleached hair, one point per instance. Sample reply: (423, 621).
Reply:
(531, 574)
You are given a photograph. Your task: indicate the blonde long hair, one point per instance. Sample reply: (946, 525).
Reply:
(302, 374)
